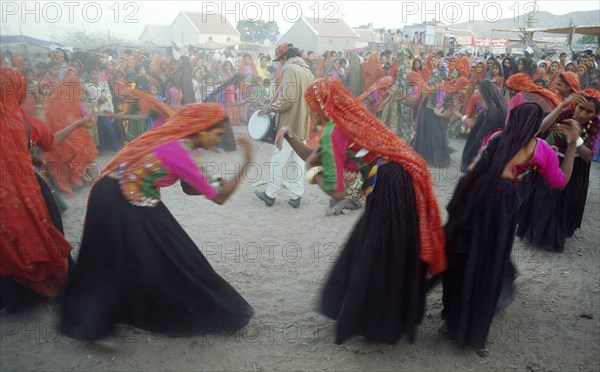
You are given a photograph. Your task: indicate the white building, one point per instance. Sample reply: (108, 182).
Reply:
(195, 29)
(320, 35)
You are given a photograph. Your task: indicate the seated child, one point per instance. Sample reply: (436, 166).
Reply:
(353, 196)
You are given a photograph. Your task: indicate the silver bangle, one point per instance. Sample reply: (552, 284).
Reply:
(579, 142)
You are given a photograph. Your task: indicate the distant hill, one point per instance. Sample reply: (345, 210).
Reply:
(545, 20)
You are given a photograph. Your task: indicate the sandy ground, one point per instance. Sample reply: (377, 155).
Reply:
(278, 258)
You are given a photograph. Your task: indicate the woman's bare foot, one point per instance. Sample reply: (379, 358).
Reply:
(367, 347)
(105, 344)
(482, 352)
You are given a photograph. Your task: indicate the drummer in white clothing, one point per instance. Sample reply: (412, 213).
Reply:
(292, 111)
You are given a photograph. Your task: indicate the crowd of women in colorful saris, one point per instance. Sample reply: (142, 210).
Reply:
(532, 134)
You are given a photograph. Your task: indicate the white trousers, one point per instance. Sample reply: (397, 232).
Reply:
(286, 167)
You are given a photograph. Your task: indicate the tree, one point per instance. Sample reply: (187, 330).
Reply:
(83, 38)
(587, 39)
(368, 26)
(257, 31)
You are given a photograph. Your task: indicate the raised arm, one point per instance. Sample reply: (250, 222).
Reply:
(230, 185)
(300, 148)
(551, 118)
(62, 134)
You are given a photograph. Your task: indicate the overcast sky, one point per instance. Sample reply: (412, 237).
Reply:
(127, 19)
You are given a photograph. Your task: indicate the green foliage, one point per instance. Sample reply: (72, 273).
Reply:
(257, 31)
(587, 39)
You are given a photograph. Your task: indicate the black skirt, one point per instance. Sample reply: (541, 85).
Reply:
(548, 216)
(480, 274)
(138, 266)
(111, 134)
(377, 287)
(576, 195)
(431, 139)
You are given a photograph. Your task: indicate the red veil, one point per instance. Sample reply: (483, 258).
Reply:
(34, 252)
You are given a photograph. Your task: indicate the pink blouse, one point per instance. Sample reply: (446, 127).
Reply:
(544, 160)
(140, 182)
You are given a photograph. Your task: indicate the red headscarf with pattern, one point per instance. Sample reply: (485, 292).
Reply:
(592, 93)
(191, 118)
(417, 78)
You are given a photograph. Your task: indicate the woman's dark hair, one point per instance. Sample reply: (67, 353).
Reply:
(223, 124)
(64, 53)
(527, 66)
(414, 68)
(493, 97)
(491, 71)
(523, 123)
(509, 71)
(185, 83)
(596, 103)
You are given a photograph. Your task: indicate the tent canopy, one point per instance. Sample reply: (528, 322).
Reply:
(580, 30)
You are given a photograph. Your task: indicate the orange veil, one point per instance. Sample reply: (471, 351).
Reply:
(522, 82)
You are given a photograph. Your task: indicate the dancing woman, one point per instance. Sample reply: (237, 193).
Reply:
(136, 264)
(492, 118)
(482, 221)
(34, 251)
(377, 287)
(437, 110)
(547, 217)
(70, 162)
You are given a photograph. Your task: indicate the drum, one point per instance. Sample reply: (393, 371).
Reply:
(262, 128)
